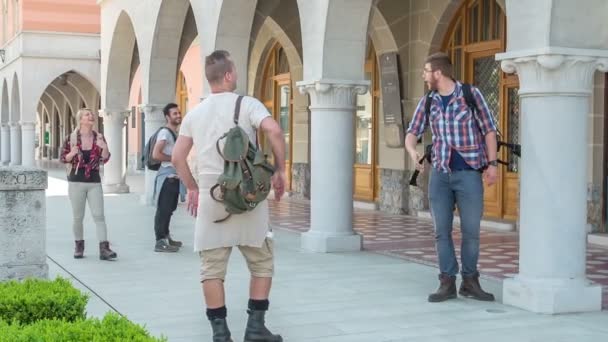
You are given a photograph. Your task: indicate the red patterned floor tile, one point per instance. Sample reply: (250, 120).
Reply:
(413, 239)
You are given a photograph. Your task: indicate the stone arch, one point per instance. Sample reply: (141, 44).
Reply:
(167, 45)
(68, 101)
(329, 40)
(227, 26)
(4, 114)
(269, 34)
(15, 113)
(116, 76)
(380, 33)
(443, 18)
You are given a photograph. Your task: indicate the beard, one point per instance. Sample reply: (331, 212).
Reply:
(432, 84)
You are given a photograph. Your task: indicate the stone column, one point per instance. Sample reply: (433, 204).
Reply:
(5, 153)
(114, 170)
(332, 107)
(28, 142)
(154, 119)
(23, 228)
(554, 94)
(15, 144)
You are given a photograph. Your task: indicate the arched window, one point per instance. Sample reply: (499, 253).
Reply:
(277, 96)
(476, 35)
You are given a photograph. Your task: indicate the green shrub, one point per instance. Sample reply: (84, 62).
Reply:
(112, 328)
(35, 299)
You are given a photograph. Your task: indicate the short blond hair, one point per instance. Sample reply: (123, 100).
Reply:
(80, 113)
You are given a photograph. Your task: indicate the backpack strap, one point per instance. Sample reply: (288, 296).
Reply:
(237, 109)
(237, 112)
(467, 93)
(468, 97)
(170, 131)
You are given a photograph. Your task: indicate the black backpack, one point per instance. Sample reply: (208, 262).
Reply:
(149, 162)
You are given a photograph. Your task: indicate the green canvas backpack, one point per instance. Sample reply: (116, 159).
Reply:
(245, 181)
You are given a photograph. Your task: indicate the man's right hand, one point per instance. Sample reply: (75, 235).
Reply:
(278, 183)
(415, 156)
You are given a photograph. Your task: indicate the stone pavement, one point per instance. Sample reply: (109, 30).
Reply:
(350, 297)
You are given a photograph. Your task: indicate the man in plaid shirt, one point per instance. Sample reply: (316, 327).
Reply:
(464, 148)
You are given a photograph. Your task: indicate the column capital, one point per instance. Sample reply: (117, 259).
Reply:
(13, 124)
(333, 94)
(27, 124)
(550, 72)
(114, 114)
(153, 112)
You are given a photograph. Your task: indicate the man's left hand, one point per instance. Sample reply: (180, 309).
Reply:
(490, 175)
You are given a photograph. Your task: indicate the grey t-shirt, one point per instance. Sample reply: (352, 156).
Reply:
(164, 134)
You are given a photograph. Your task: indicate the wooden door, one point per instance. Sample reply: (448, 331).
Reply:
(366, 175)
(500, 92)
(282, 114)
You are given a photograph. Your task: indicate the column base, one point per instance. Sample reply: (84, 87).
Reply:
(552, 296)
(24, 271)
(324, 243)
(115, 188)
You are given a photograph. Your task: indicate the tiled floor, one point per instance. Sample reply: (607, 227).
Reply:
(412, 238)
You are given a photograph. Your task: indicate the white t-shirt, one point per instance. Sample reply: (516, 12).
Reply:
(164, 134)
(213, 117)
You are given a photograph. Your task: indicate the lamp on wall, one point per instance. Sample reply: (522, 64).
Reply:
(2, 54)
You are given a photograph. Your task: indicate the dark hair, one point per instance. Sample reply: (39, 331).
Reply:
(168, 107)
(217, 64)
(441, 61)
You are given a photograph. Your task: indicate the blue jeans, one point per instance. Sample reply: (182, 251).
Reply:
(446, 190)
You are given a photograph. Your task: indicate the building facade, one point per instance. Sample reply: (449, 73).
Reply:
(49, 69)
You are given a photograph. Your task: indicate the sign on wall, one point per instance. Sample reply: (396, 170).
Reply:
(391, 100)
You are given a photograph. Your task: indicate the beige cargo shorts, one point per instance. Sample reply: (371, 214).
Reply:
(260, 261)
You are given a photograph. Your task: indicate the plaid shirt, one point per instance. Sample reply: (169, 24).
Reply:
(77, 162)
(456, 128)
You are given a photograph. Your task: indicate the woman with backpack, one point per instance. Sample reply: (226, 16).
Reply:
(83, 152)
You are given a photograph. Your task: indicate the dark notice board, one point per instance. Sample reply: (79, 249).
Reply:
(391, 99)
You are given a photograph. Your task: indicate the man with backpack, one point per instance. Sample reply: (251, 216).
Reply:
(223, 129)
(464, 148)
(167, 183)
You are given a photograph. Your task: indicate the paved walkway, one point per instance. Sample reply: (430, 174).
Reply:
(350, 297)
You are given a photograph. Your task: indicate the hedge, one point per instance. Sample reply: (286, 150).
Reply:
(32, 300)
(112, 328)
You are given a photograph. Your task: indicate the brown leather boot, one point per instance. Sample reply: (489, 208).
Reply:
(447, 289)
(105, 253)
(471, 288)
(79, 250)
